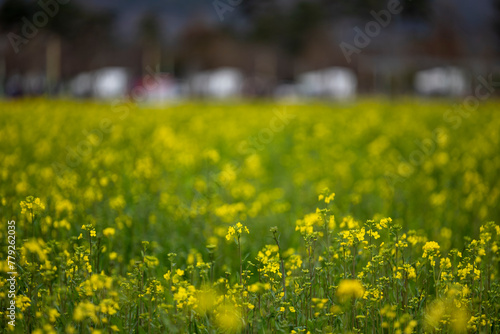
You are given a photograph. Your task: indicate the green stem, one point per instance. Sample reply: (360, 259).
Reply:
(239, 256)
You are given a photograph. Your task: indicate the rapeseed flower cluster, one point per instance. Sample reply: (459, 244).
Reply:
(114, 240)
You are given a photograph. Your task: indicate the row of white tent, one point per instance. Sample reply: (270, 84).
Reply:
(334, 82)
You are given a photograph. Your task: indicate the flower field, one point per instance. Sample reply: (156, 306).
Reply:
(369, 217)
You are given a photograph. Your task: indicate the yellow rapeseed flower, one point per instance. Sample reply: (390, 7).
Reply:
(430, 247)
(32, 205)
(350, 288)
(236, 230)
(53, 314)
(228, 318)
(383, 223)
(108, 232)
(230, 232)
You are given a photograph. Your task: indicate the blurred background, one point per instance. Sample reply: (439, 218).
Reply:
(163, 51)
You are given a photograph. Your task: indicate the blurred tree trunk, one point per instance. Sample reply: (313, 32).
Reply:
(150, 35)
(53, 63)
(151, 57)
